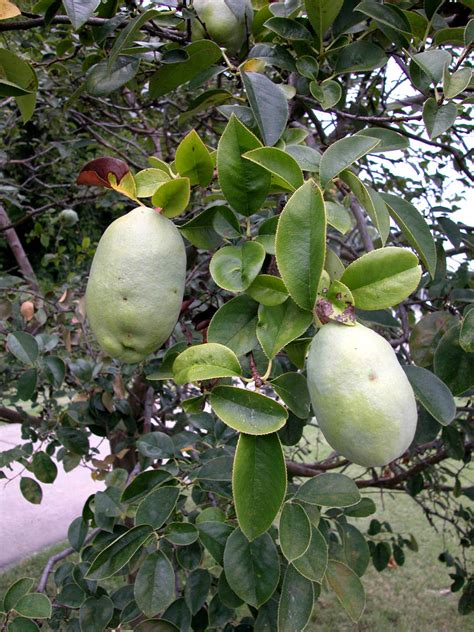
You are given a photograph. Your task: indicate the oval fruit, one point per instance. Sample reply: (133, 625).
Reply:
(222, 24)
(362, 399)
(136, 284)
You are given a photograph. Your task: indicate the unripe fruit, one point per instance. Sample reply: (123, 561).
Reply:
(68, 217)
(361, 397)
(222, 24)
(136, 284)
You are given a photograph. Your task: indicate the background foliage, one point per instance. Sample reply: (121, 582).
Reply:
(372, 102)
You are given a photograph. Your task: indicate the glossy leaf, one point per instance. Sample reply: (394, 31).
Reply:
(79, 11)
(382, 278)
(23, 346)
(360, 56)
(322, 13)
(452, 364)
(308, 158)
(234, 268)
(15, 592)
(293, 390)
(213, 536)
(247, 411)
(148, 180)
(296, 601)
(328, 93)
(244, 184)
(252, 569)
(389, 139)
(235, 325)
(130, 33)
(34, 606)
(117, 554)
(21, 624)
(331, 490)
(20, 73)
(385, 14)
(200, 55)
(301, 243)
(258, 482)
(209, 228)
(288, 29)
(154, 587)
(338, 217)
(197, 587)
(181, 533)
(102, 80)
(342, 154)
(466, 336)
(193, 160)
(280, 324)
(279, 163)
(44, 468)
(313, 563)
(348, 588)
(294, 531)
(269, 105)
(356, 550)
(414, 227)
(96, 613)
(172, 197)
(31, 490)
(205, 362)
(268, 290)
(456, 83)
(432, 393)
(156, 445)
(433, 62)
(156, 508)
(438, 118)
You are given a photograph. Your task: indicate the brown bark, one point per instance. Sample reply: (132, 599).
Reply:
(18, 250)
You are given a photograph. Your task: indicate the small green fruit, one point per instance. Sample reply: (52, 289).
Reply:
(136, 284)
(228, 28)
(68, 217)
(362, 399)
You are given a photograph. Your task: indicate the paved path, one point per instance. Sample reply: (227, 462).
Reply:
(25, 528)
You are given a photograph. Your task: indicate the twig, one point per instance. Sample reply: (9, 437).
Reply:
(17, 249)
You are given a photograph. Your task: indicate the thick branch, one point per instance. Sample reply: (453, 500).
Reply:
(18, 250)
(10, 416)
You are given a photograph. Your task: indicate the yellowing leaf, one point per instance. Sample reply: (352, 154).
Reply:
(8, 10)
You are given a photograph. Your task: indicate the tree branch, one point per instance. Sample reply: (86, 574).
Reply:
(18, 250)
(10, 416)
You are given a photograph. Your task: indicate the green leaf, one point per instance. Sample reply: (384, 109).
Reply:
(280, 324)
(432, 393)
(279, 163)
(147, 181)
(456, 83)
(193, 160)
(252, 569)
(331, 490)
(365, 507)
(244, 184)
(383, 277)
(414, 227)
(16, 591)
(20, 73)
(268, 104)
(200, 55)
(288, 29)
(208, 229)
(247, 411)
(214, 536)
(26, 385)
(342, 154)
(117, 554)
(360, 57)
(44, 468)
(234, 325)
(466, 337)
(103, 79)
(156, 445)
(356, 550)
(55, 370)
(389, 139)
(34, 606)
(338, 217)
(31, 490)
(308, 67)
(258, 482)
(172, 197)
(432, 62)
(301, 243)
(205, 102)
(95, 613)
(321, 14)
(77, 533)
(156, 625)
(293, 390)
(307, 157)
(234, 268)
(130, 33)
(296, 601)
(219, 469)
(328, 93)
(371, 201)
(10, 89)
(79, 11)
(205, 362)
(20, 624)
(23, 346)
(196, 590)
(386, 14)
(452, 364)
(438, 118)
(156, 508)
(181, 533)
(154, 587)
(348, 588)
(294, 531)
(313, 563)
(143, 484)
(268, 290)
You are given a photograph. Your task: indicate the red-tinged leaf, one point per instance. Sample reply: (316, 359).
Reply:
(96, 172)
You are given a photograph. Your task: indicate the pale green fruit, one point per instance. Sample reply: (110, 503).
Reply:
(68, 217)
(136, 284)
(226, 28)
(361, 397)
